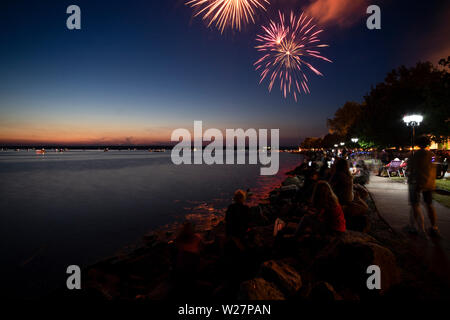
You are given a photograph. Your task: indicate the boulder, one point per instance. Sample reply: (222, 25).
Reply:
(160, 292)
(288, 191)
(257, 216)
(259, 289)
(283, 275)
(261, 238)
(291, 227)
(292, 181)
(323, 292)
(358, 223)
(343, 263)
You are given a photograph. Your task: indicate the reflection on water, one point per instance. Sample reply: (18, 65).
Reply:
(79, 206)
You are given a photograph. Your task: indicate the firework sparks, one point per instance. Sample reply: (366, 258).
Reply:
(233, 13)
(287, 47)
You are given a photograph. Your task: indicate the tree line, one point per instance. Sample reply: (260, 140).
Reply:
(378, 120)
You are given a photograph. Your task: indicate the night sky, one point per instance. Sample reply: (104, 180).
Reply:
(139, 69)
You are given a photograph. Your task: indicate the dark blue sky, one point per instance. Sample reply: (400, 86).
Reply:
(139, 69)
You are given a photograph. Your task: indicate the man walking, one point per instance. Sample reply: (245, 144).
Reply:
(422, 180)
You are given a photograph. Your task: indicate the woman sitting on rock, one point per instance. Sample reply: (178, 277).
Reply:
(329, 211)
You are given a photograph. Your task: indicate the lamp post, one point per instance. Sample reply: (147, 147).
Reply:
(355, 142)
(413, 121)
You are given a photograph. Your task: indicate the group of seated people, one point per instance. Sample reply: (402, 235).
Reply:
(331, 196)
(337, 195)
(333, 201)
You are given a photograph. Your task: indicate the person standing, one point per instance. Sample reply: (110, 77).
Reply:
(422, 180)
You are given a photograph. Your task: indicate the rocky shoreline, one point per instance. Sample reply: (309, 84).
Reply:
(285, 267)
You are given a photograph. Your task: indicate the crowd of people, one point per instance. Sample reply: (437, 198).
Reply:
(332, 198)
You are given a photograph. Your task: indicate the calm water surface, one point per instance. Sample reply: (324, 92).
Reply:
(77, 207)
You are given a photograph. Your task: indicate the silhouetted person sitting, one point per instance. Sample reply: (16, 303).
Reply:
(325, 172)
(237, 219)
(422, 180)
(311, 178)
(237, 216)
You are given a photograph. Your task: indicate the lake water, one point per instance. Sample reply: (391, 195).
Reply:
(78, 207)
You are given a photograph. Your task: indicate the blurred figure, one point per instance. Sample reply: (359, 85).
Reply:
(342, 182)
(363, 173)
(311, 178)
(422, 180)
(325, 172)
(187, 264)
(355, 208)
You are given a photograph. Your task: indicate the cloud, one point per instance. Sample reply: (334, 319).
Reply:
(343, 13)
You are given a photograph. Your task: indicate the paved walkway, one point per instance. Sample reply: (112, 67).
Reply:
(391, 199)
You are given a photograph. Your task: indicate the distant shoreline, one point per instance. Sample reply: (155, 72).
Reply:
(110, 147)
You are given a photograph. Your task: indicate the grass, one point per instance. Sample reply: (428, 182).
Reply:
(442, 184)
(442, 199)
(397, 179)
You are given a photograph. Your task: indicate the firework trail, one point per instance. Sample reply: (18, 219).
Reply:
(287, 47)
(233, 13)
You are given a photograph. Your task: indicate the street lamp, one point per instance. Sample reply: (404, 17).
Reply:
(336, 146)
(413, 121)
(342, 143)
(355, 140)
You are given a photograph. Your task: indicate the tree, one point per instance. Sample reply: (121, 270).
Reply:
(310, 143)
(421, 89)
(331, 139)
(344, 118)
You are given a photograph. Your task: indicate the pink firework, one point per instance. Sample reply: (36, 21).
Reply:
(287, 47)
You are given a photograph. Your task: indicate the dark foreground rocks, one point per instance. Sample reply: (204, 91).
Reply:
(345, 260)
(259, 289)
(267, 267)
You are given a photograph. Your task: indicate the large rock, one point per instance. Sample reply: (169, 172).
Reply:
(283, 275)
(259, 289)
(292, 181)
(323, 292)
(257, 216)
(288, 191)
(344, 262)
(261, 238)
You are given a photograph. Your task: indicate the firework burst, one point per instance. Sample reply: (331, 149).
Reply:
(233, 13)
(287, 46)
